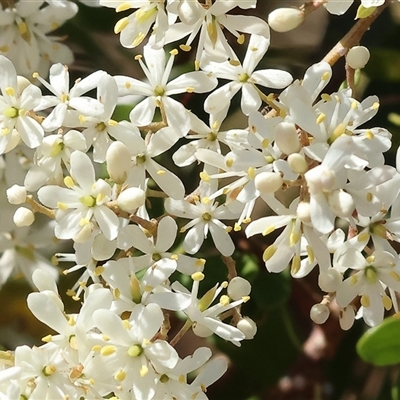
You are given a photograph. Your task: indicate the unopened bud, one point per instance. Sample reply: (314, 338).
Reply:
(248, 327)
(286, 138)
(238, 287)
(131, 199)
(303, 212)
(118, 162)
(329, 280)
(285, 19)
(297, 163)
(341, 203)
(23, 217)
(16, 194)
(357, 57)
(268, 182)
(319, 313)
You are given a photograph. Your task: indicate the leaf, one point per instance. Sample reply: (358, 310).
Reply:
(381, 345)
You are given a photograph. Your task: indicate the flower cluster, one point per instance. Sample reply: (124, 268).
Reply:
(95, 178)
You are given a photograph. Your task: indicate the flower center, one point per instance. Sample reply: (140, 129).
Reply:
(140, 159)
(135, 350)
(159, 91)
(243, 77)
(88, 200)
(206, 217)
(370, 274)
(10, 112)
(101, 126)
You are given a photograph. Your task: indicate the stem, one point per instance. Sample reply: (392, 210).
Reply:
(231, 266)
(181, 332)
(353, 36)
(37, 207)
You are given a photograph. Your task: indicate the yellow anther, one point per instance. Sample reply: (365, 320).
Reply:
(83, 222)
(269, 252)
(224, 300)
(395, 275)
(197, 276)
(369, 134)
(204, 176)
(161, 172)
(237, 227)
(120, 375)
(234, 63)
(126, 324)
(82, 119)
(310, 253)
(369, 197)
(112, 122)
(143, 371)
(365, 301)
(228, 229)
(387, 302)
(107, 350)
(241, 39)
(251, 173)
(325, 76)
(10, 91)
(69, 182)
(265, 143)
(121, 25)
(127, 85)
(363, 237)
(96, 348)
(200, 262)
(229, 162)
(353, 280)
(49, 370)
(295, 264)
(190, 89)
(47, 339)
(326, 97)
(71, 321)
(375, 106)
(123, 7)
(268, 230)
(173, 52)
(321, 118)
(99, 270)
(62, 206)
(294, 238)
(139, 39)
(185, 47)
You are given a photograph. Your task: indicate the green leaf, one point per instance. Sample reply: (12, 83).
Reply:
(381, 345)
(364, 12)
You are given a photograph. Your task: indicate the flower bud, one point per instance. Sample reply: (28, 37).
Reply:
(248, 327)
(118, 161)
(319, 313)
(320, 179)
(238, 287)
(23, 217)
(303, 212)
(341, 203)
(297, 163)
(357, 57)
(131, 199)
(329, 280)
(286, 138)
(16, 194)
(285, 19)
(268, 182)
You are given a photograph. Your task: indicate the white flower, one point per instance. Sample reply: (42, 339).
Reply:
(24, 30)
(65, 99)
(135, 27)
(211, 22)
(18, 98)
(205, 215)
(245, 78)
(85, 196)
(158, 90)
(371, 276)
